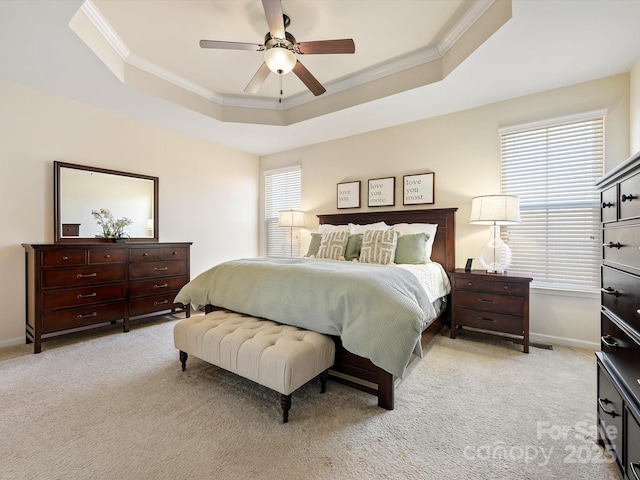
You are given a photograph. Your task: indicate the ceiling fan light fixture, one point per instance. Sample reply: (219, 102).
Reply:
(279, 59)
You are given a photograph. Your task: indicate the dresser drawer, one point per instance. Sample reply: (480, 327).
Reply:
(75, 297)
(490, 302)
(175, 253)
(633, 446)
(143, 288)
(148, 254)
(630, 197)
(470, 283)
(489, 321)
(622, 246)
(623, 352)
(81, 317)
(141, 306)
(621, 295)
(156, 269)
(97, 256)
(609, 212)
(59, 258)
(73, 277)
(510, 288)
(610, 409)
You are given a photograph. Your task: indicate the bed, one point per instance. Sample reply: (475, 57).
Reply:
(249, 286)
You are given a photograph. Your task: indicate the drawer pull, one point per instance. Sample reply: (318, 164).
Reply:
(160, 269)
(638, 311)
(469, 284)
(88, 275)
(492, 302)
(174, 253)
(612, 245)
(87, 296)
(65, 257)
(608, 342)
(145, 254)
(610, 291)
(607, 204)
(635, 467)
(107, 256)
(505, 287)
(88, 315)
(161, 303)
(628, 198)
(162, 285)
(489, 320)
(604, 401)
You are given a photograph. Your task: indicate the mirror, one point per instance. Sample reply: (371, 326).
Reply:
(79, 189)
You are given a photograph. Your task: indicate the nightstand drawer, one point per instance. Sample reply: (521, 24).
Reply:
(490, 302)
(510, 288)
(489, 321)
(475, 284)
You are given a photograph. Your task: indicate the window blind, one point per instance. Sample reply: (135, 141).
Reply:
(282, 192)
(553, 169)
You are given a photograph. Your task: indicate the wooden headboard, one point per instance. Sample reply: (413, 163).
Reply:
(444, 245)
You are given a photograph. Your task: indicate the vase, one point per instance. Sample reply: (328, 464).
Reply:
(118, 239)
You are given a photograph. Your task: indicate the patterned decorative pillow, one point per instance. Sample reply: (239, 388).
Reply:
(379, 246)
(333, 245)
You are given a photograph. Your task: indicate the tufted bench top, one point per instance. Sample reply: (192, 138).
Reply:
(280, 357)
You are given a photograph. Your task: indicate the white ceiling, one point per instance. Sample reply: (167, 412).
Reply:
(546, 44)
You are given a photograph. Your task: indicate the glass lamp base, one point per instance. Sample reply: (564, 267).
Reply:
(495, 256)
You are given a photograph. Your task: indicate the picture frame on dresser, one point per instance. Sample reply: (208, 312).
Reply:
(382, 192)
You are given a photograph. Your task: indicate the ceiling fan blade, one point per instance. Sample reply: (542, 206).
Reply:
(309, 80)
(258, 79)
(275, 20)
(231, 45)
(345, 45)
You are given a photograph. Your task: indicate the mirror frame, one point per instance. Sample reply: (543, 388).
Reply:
(58, 238)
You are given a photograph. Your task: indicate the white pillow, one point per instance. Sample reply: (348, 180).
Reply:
(355, 229)
(379, 246)
(412, 228)
(326, 228)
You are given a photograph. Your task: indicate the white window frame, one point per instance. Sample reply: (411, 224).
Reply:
(284, 194)
(555, 180)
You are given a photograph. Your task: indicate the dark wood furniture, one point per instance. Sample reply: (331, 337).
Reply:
(618, 363)
(80, 286)
(491, 304)
(359, 372)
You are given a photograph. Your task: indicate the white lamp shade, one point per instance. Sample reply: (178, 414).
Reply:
(291, 218)
(495, 210)
(280, 60)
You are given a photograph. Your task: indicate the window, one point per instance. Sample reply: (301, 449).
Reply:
(282, 192)
(553, 169)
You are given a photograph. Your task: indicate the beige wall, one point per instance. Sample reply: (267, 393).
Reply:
(464, 152)
(634, 108)
(208, 194)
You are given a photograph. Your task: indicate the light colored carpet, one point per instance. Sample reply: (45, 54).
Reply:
(119, 407)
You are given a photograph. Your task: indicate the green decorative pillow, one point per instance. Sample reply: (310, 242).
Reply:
(412, 248)
(353, 247)
(379, 246)
(333, 245)
(314, 245)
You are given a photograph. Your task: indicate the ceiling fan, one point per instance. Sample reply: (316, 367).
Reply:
(280, 49)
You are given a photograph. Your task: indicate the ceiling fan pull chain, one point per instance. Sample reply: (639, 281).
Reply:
(280, 82)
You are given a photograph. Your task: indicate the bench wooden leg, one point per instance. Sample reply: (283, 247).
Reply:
(323, 380)
(183, 359)
(285, 403)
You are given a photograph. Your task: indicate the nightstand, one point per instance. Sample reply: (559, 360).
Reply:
(495, 304)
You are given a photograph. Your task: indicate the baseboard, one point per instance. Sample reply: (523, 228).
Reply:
(567, 342)
(12, 342)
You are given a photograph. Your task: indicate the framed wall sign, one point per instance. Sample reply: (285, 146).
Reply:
(382, 192)
(419, 188)
(349, 195)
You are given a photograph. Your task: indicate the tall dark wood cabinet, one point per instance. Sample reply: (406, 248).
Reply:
(618, 362)
(72, 287)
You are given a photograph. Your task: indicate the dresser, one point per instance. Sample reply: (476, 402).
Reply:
(495, 304)
(618, 362)
(75, 287)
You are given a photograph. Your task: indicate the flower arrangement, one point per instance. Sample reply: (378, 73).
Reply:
(111, 228)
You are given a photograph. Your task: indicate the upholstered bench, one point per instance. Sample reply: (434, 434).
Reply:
(280, 357)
